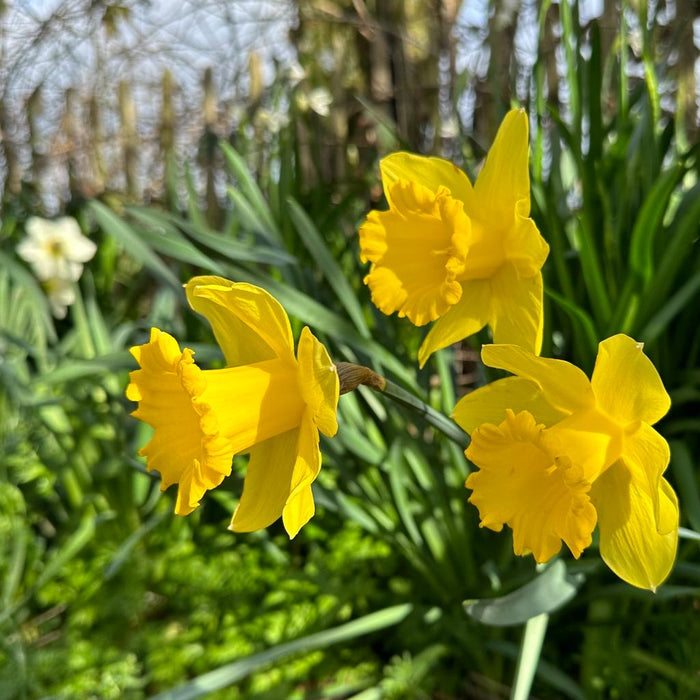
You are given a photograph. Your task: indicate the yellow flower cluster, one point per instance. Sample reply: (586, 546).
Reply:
(557, 454)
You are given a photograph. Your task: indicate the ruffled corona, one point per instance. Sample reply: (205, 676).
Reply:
(463, 256)
(272, 408)
(573, 440)
(524, 483)
(418, 249)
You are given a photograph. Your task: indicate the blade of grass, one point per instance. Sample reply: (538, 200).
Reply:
(677, 303)
(253, 200)
(318, 249)
(116, 227)
(583, 324)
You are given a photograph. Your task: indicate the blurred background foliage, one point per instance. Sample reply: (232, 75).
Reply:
(257, 161)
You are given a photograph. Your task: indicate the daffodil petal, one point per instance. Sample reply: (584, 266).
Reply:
(299, 507)
(268, 482)
(649, 452)
(431, 172)
(564, 385)
(504, 181)
(516, 309)
(468, 316)
(524, 246)
(489, 403)
(318, 381)
(626, 384)
(639, 547)
(249, 324)
(278, 481)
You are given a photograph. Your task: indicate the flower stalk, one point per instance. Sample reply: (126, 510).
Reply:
(351, 376)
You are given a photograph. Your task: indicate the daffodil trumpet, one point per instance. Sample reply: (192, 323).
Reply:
(266, 402)
(460, 255)
(558, 454)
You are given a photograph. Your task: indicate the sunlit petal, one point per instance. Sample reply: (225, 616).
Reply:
(524, 246)
(318, 381)
(489, 403)
(648, 452)
(504, 180)
(249, 324)
(299, 507)
(626, 384)
(268, 482)
(465, 318)
(431, 172)
(564, 385)
(516, 312)
(639, 547)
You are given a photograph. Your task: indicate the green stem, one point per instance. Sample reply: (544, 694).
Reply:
(435, 418)
(530, 649)
(351, 376)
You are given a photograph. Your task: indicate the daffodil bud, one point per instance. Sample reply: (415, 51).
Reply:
(351, 376)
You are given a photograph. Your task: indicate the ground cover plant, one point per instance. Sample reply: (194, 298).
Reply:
(391, 589)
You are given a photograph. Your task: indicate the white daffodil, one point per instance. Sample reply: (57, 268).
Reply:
(56, 250)
(61, 295)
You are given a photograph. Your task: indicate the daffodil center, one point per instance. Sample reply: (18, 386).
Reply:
(525, 482)
(55, 249)
(486, 253)
(418, 250)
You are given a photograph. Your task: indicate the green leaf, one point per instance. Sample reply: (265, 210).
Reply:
(229, 674)
(132, 242)
(677, 303)
(649, 222)
(70, 370)
(684, 472)
(582, 322)
(72, 547)
(678, 244)
(547, 592)
(316, 246)
(592, 270)
(253, 205)
(235, 250)
(528, 659)
(162, 236)
(126, 549)
(33, 290)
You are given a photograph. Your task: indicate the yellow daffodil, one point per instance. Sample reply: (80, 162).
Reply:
(558, 453)
(265, 401)
(461, 255)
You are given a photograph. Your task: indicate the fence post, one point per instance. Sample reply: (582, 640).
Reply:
(129, 137)
(167, 141)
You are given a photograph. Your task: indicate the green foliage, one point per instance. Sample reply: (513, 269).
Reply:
(106, 593)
